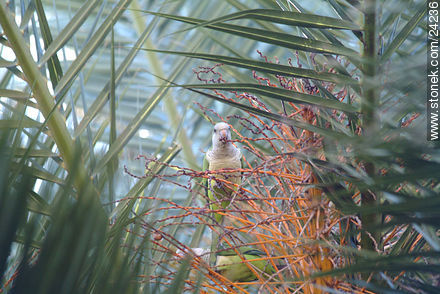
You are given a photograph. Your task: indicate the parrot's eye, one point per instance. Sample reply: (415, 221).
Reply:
(215, 131)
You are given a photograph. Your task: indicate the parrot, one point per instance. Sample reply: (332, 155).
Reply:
(222, 155)
(230, 265)
(233, 267)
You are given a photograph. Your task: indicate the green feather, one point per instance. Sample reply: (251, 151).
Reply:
(242, 250)
(218, 191)
(234, 268)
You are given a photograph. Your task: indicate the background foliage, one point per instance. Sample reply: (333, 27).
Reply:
(341, 187)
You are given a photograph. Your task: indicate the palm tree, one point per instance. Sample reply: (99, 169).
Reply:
(340, 180)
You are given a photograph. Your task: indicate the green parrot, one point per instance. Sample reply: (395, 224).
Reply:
(233, 267)
(230, 265)
(222, 155)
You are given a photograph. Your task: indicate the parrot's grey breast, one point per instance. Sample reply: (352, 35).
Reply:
(218, 159)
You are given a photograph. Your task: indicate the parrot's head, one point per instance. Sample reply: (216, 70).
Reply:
(221, 134)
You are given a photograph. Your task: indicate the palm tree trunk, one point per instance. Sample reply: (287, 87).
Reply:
(370, 118)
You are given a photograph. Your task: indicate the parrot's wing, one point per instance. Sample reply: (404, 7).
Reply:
(242, 166)
(253, 251)
(245, 250)
(205, 180)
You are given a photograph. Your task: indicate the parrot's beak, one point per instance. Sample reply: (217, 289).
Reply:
(223, 135)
